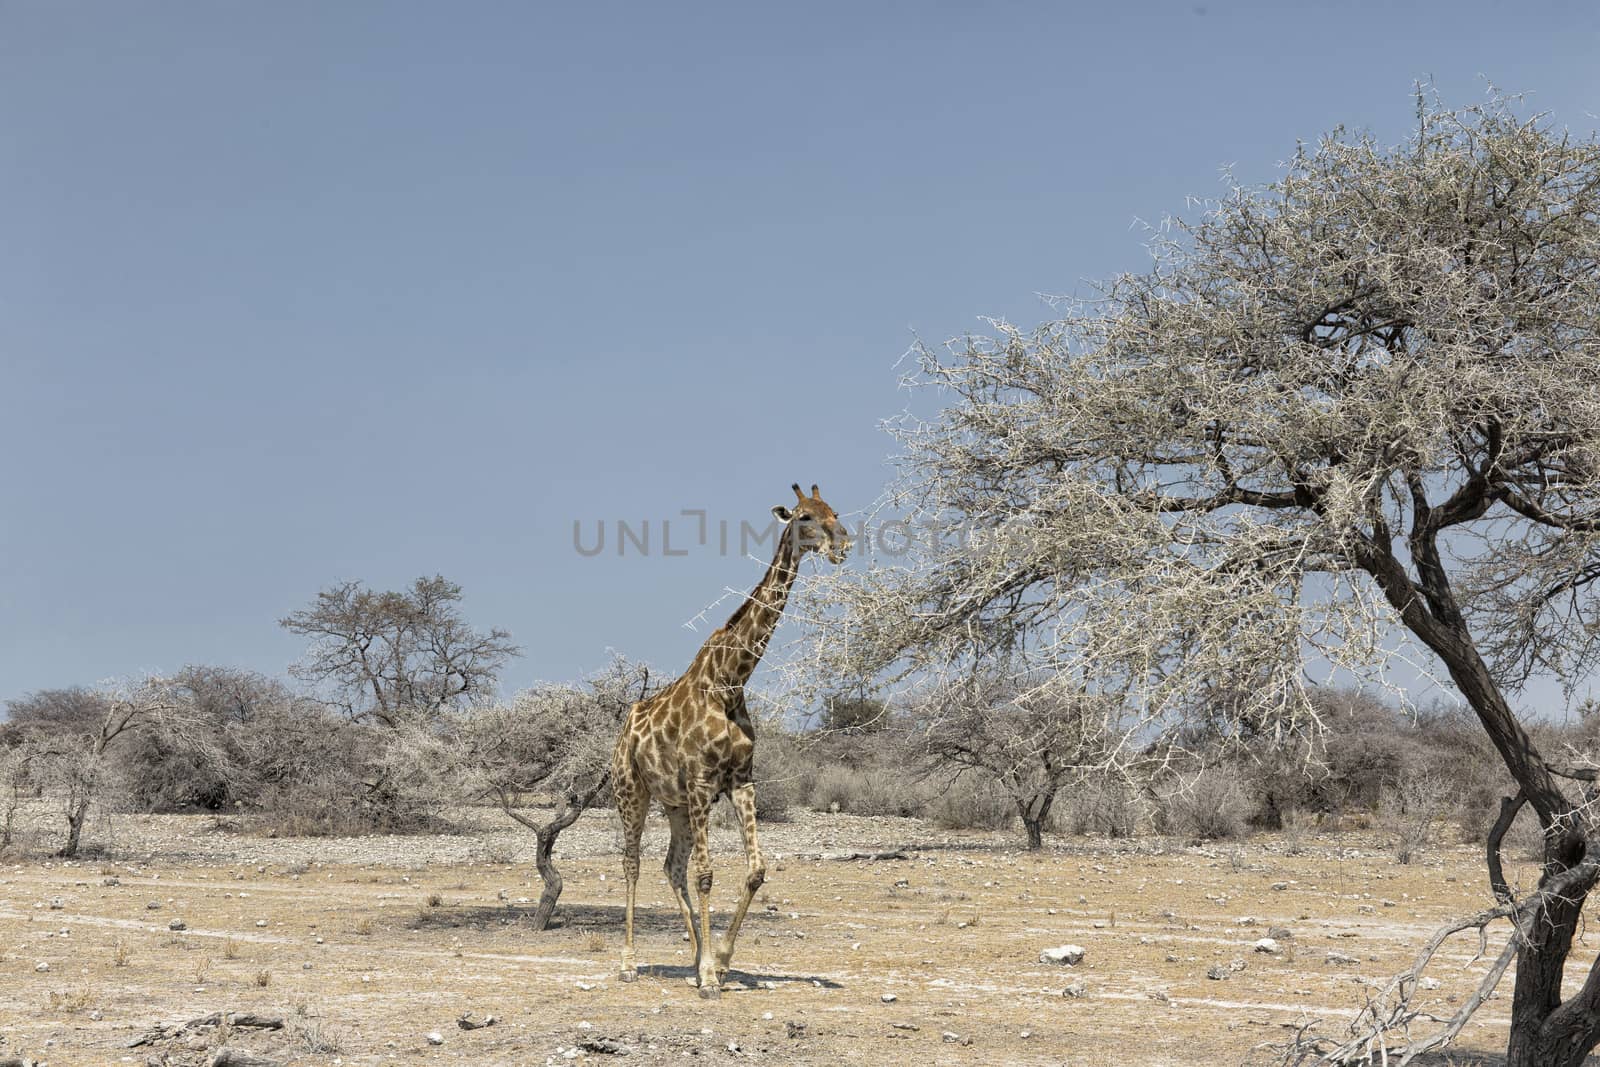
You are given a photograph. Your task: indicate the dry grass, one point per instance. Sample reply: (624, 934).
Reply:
(71, 1003)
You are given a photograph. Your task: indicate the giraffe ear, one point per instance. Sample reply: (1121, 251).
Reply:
(781, 513)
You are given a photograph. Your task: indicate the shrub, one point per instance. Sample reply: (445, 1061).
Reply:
(1096, 804)
(968, 804)
(1211, 805)
(864, 791)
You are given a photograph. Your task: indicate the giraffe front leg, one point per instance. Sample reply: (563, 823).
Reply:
(630, 869)
(632, 804)
(699, 821)
(744, 802)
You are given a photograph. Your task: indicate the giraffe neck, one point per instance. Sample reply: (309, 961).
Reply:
(734, 650)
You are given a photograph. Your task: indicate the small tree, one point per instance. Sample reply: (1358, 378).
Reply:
(553, 739)
(393, 655)
(72, 753)
(18, 757)
(1031, 740)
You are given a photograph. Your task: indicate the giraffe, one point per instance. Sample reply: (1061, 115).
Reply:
(693, 742)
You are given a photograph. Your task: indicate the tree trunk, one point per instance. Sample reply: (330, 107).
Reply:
(1544, 1031)
(1034, 811)
(87, 785)
(545, 837)
(76, 817)
(8, 824)
(567, 812)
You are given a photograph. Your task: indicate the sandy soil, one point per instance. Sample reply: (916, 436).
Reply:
(366, 946)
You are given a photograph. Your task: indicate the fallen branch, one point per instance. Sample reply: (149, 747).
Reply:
(242, 1019)
(891, 854)
(235, 1057)
(1390, 1009)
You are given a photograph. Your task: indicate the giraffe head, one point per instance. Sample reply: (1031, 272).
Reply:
(814, 526)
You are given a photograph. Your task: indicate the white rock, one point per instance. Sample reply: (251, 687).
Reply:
(435, 1037)
(1267, 945)
(1068, 955)
(888, 998)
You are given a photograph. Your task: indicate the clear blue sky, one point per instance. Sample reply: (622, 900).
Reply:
(297, 292)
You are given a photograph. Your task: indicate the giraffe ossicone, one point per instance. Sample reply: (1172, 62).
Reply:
(693, 741)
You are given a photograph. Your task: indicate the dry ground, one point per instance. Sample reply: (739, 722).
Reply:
(364, 946)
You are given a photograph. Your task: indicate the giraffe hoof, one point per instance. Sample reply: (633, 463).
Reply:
(628, 975)
(710, 992)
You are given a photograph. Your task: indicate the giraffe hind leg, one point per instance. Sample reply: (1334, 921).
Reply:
(700, 860)
(677, 868)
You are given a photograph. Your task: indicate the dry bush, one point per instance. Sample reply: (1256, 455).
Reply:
(1099, 804)
(317, 774)
(969, 804)
(1210, 805)
(1298, 824)
(202, 766)
(1412, 809)
(782, 776)
(866, 791)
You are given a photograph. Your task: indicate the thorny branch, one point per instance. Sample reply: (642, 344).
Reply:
(1391, 1010)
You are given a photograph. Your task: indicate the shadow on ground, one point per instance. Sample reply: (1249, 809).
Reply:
(737, 978)
(597, 917)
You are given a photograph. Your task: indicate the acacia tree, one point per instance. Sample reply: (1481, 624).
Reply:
(391, 655)
(1029, 739)
(1362, 399)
